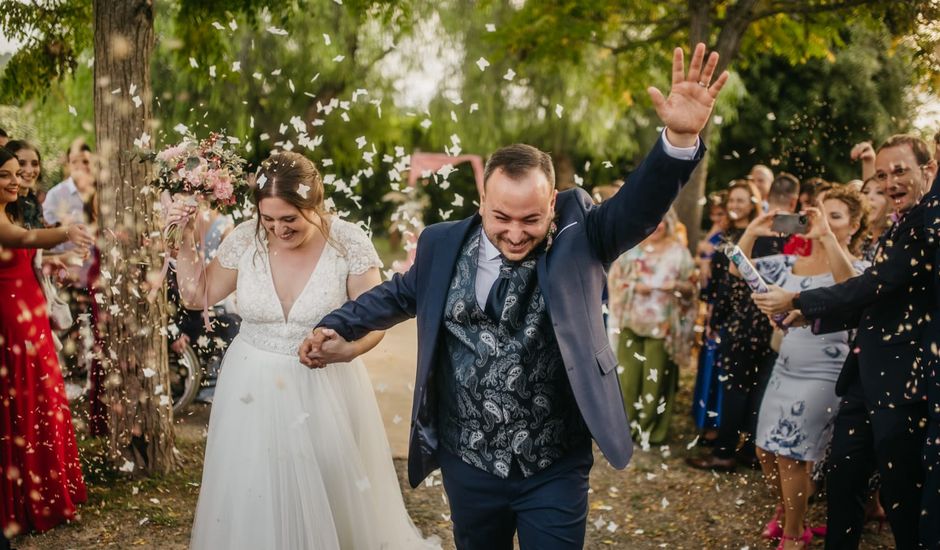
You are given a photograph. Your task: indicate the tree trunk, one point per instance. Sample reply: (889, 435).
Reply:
(688, 204)
(736, 21)
(137, 381)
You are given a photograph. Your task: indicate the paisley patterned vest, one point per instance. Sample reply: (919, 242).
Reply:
(504, 395)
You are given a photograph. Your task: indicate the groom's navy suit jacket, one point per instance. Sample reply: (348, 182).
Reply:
(572, 275)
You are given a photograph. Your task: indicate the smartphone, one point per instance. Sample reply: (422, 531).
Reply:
(790, 224)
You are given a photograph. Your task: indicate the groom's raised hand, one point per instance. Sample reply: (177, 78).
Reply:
(692, 96)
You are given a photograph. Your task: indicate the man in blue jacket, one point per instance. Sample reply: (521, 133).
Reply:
(515, 374)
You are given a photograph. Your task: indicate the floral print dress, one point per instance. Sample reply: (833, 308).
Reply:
(800, 403)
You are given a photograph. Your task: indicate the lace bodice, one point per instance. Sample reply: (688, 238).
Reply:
(263, 323)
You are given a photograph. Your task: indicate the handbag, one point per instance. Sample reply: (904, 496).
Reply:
(60, 316)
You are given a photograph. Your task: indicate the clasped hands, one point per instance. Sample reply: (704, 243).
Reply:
(324, 346)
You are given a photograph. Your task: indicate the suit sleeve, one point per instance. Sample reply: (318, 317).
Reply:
(634, 212)
(840, 306)
(380, 308)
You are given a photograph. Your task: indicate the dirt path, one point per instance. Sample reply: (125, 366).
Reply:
(657, 502)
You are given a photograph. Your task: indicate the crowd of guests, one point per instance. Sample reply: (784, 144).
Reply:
(828, 382)
(48, 254)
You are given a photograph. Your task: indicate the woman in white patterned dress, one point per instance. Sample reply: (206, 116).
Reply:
(295, 458)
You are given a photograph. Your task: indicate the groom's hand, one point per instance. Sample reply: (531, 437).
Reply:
(325, 346)
(686, 110)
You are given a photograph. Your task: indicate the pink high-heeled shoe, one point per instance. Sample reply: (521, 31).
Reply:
(773, 530)
(806, 538)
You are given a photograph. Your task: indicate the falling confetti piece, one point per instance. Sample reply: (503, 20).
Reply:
(302, 190)
(482, 63)
(490, 27)
(559, 110)
(72, 111)
(277, 31)
(510, 74)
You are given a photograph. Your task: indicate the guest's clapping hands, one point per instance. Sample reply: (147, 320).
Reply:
(687, 108)
(323, 347)
(775, 300)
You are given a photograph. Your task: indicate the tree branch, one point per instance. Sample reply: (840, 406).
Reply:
(807, 8)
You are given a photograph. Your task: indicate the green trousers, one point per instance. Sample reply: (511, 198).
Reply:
(649, 382)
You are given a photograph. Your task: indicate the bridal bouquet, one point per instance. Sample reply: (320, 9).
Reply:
(204, 170)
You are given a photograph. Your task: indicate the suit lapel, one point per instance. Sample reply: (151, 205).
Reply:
(442, 271)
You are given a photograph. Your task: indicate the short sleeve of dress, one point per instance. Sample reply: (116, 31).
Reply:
(774, 269)
(356, 247)
(234, 246)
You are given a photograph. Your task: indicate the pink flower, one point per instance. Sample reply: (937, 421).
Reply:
(222, 188)
(172, 153)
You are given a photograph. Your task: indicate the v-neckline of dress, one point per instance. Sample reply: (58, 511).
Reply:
(285, 318)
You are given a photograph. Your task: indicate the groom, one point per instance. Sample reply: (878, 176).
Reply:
(515, 374)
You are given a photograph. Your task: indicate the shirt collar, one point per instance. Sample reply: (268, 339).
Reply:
(69, 184)
(490, 252)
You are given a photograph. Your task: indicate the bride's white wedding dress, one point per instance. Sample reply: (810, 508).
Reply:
(296, 458)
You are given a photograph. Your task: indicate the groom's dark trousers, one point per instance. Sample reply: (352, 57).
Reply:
(571, 274)
(549, 509)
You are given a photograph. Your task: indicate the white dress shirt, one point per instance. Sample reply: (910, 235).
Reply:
(489, 261)
(63, 205)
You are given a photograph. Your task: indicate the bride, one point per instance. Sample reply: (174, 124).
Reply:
(295, 458)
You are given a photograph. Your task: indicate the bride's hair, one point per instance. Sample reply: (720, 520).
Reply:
(283, 173)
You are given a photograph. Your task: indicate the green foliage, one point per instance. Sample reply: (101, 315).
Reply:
(805, 118)
(53, 35)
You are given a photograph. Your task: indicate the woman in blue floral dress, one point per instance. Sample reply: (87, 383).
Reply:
(800, 404)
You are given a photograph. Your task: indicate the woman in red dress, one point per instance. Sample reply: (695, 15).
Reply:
(40, 476)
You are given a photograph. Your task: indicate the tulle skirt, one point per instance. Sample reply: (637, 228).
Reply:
(298, 459)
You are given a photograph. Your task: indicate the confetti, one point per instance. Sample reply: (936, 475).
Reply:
(302, 190)
(482, 63)
(510, 74)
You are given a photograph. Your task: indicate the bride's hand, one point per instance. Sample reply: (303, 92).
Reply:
(182, 212)
(325, 346)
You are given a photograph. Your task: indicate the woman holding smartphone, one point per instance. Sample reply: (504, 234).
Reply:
(795, 421)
